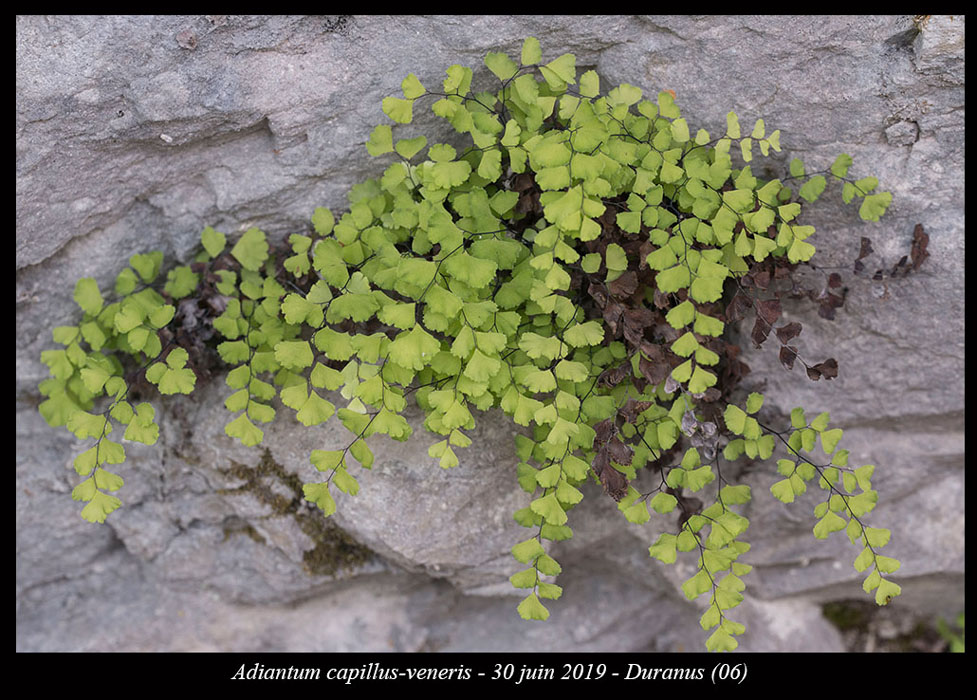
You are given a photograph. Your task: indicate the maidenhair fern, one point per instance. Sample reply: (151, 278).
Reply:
(578, 266)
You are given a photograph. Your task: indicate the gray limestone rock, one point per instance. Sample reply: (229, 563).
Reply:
(135, 132)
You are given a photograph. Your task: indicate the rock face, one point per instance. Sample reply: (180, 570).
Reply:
(133, 133)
